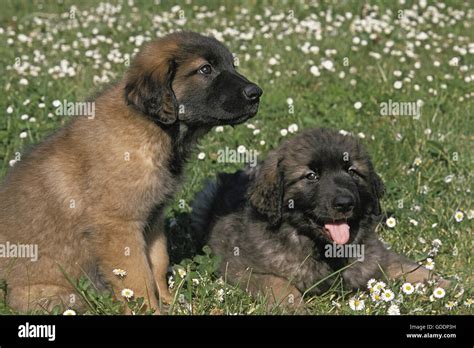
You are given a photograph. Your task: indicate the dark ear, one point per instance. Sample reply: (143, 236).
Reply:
(266, 190)
(151, 93)
(378, 189)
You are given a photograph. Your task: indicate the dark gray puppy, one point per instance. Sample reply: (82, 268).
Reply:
(301, 219)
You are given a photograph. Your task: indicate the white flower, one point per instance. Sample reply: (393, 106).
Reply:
(262, 142)
(430, 264)
(23, 82)
(458, 216)
(293, 128)
(344, 132)
(388, 295)
(397, 84)
(201, 155)
(408, 288)
(284, 132)
(468, 302)
(220, 295)
(289, 101)
(273, 61)
(327, 64)
(24, 117)
(451, 304)
(69, 312)
(448, 178)
(119, 272)
(241, 149)
(414, 222)
(256, 132)
(393, 310)
(315, 71)
(371, 283)
(127, 293)
(378, 287)
(436, 243)
(375, 296)
(195, 281)
(356, 304)
(357, 105)
(219, 129)
(417, 161)
(9, 110)
(23, 135)
(439, 293)
(181, 272)
(391, 222)
(56, 103)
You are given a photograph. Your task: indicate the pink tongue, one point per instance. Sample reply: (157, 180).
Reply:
(339, 232)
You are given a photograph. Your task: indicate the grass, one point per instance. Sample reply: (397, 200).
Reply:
(416, 157)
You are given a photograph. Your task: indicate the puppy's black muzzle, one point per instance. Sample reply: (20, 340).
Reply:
(237, 95)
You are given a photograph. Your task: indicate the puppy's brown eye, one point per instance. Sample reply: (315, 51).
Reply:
(312, 176)
(205, 69)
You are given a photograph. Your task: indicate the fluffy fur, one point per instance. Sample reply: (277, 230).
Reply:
(268, 222)
(92, 196)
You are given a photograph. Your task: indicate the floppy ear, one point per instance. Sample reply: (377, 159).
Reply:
(266, 190)
(378, 189)
(151, 93)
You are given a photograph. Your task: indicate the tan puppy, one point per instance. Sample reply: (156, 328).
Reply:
(86, 196)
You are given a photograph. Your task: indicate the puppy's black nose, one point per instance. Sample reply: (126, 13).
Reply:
(252, 92)
(343, 204)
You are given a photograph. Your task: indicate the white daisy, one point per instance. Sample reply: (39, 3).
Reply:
(241, 149)
(181, 272)
(417, 161)
(439, 293)
(393, 310)
(119, 272)
(459, 216)
(375, 296)
(315, 71)
(219, 129)
(430, 264)
(468, 302)
(398, 84)
(69, 312)
(127, 293)
(391, 222)
(284, 132)
(371, 283)
(220, 295)
(201, 155)
(379, 286)
(356, 304)
(293, 128)
(451, 304)
(408, 288)
(357, 105)
(388, 295)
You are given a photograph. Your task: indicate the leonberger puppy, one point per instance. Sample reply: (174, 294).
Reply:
(293, 223)
(91, 197)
